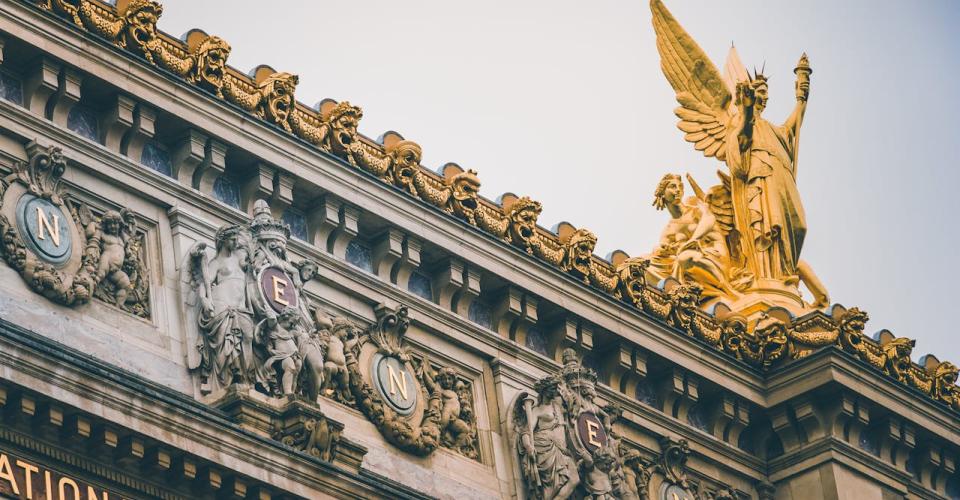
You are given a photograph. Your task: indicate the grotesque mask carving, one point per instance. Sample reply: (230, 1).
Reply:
(277, 100)
(465, 190)
(579, 253)
(405, 157)
(522, 216)
(140, 26)
(211, 64)
(343, 120)
(896, 354)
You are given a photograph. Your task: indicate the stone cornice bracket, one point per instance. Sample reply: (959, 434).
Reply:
(116, 121)
(387, 251)
(936, 465)
(267, 183)
(624, 365)
(806, 419)
(188, 155)
(730, 417)
(514, 313)
(569, 331)
(258, 186)
(334, 225)
(897, 441)
(41, 83)
(214, 165)
(455, 285)
(409, 262)
(67, 95)
(679, 390)
(141, 131)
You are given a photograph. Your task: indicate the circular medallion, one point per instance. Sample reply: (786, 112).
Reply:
(674, 492)
(277, 288)
(395, 383)
(44, 228)
(591, 433)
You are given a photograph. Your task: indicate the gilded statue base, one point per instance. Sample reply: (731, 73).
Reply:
(770, 293)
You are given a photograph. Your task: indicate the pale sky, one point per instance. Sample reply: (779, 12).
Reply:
(564, 101)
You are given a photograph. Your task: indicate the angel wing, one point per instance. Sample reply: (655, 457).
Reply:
(701, 92)
(193, 279)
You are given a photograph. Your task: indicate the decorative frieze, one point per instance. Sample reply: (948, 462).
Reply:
(705, 274)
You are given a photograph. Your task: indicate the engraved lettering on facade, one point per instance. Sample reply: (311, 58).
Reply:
(44, 225)
(397, 382)
(279, 287)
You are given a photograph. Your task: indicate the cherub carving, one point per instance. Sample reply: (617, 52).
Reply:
(337, 340)
(120, 272)
(458, 425)
(278, 335)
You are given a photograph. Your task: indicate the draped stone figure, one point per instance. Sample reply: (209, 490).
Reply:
(225, 312)
(550, 470)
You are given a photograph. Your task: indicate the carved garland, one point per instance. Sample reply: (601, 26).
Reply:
(131, 24)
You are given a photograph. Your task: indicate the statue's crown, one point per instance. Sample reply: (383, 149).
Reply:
(264, 226)
(575, 374)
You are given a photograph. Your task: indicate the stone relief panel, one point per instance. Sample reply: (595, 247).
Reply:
(61, 248)
(568, 446)
(251, 325)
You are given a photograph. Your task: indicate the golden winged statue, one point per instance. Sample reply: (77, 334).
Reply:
(721, 116)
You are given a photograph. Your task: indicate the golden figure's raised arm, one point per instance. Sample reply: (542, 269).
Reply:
(700, 89)
(793, 123)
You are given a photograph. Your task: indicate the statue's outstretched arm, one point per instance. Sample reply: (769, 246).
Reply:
(802, 87)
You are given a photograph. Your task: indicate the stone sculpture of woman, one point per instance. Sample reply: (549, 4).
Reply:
(550, 471)
(225, 313)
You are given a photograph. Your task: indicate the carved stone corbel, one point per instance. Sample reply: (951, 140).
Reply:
(730, 417)
(271, 184)
(117, 121)
(141, 131)
(514, 314)
(214, 165)
(188, 155)
(387, 251)
(898, 440)
(455, 285)
(67, 95)
(936, 465)
(624, 365)
(570, 332)
(42, 82)
(409, 261)
(679, 390)
(334, 225)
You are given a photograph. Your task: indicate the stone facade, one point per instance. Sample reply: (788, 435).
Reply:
(210, 290)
